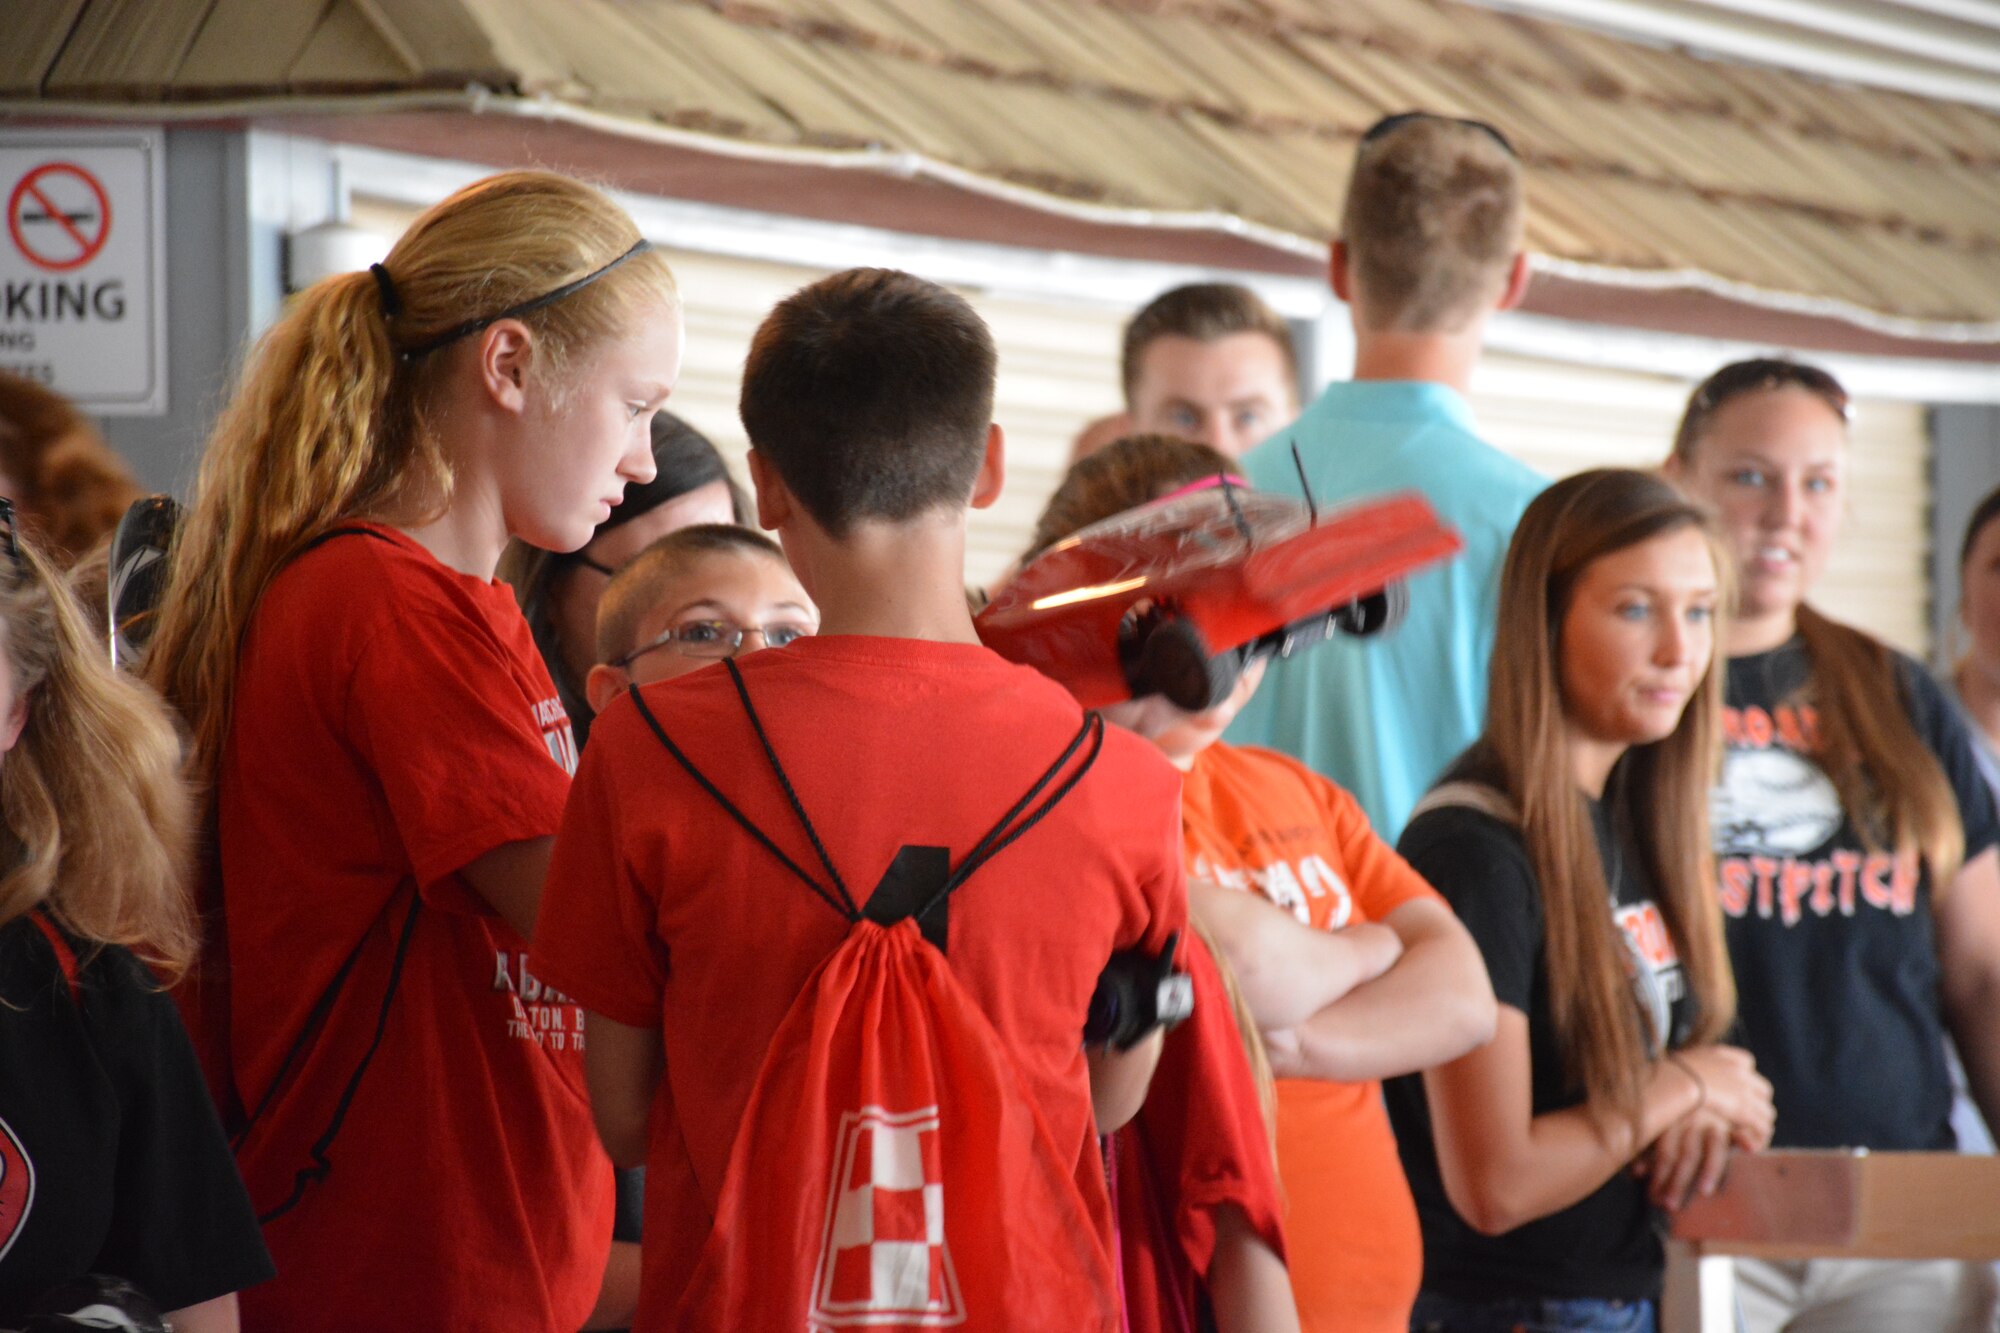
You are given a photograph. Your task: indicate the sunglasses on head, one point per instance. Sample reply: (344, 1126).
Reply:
(1761, 374)
(1388, 123)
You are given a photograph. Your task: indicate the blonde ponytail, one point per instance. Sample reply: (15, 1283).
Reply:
(307, 440)
(331, 423)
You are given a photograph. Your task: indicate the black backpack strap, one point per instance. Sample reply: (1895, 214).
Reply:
(1003, 834)
(1000, 836)
(791, 797)
(323, 1005)
(840, 903)
(331, 533)
(320, 1165)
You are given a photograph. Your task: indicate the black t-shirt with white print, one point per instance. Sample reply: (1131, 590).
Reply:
(111, 1158)
(1834, 946)
(1606, 1245)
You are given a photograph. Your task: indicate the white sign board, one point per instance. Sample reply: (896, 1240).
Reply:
(82, 265)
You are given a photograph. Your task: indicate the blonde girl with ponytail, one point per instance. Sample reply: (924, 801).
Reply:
(1855, 846)
(385, 759)
(111, 1160)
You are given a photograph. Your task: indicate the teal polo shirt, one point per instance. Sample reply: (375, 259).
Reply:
(1383, 716)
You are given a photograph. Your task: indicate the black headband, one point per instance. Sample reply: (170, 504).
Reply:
(392, 304)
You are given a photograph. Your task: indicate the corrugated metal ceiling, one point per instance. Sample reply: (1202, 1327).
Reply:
(1648, 168)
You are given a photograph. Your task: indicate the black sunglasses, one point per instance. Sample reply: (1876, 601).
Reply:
(8, 539)
(1388, 123)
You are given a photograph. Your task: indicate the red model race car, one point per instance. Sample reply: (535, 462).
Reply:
(1173, 598)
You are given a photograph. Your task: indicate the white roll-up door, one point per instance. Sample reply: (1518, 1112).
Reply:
(1059, 370)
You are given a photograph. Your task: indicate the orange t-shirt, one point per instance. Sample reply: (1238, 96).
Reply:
(1258, 821)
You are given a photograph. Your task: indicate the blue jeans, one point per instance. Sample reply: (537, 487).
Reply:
(1445, 1314)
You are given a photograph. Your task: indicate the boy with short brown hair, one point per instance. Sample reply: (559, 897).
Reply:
(868, 398)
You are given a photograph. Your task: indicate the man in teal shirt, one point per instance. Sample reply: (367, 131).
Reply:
(1431, 249)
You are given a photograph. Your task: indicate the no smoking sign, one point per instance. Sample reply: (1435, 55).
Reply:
(59, 217)
(82, 305)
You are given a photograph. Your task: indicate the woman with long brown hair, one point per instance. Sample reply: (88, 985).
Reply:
(1855, 844)
(1569, 839)
(111, 1161)
(388, 759)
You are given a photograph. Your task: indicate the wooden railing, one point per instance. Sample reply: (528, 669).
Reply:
(1825, 1205)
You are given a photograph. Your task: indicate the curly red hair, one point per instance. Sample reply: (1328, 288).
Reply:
(69, 486)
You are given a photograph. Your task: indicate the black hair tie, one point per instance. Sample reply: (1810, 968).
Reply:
(392, 304)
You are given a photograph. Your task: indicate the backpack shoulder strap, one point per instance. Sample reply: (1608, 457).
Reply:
(840, 902)
(1017, 821)
(1470, 795)
(331, 533)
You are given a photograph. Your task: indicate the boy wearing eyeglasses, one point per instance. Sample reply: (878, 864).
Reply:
(694, 597)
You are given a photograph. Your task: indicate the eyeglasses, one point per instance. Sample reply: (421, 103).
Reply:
(1388, 123)
(714, 639)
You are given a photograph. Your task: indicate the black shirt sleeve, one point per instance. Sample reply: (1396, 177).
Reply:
(182, 1227)
(1943, 728)
(1481, 867)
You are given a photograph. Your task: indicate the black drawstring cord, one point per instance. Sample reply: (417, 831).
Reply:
(812, 834)
(997, 839)
(825, 894)
(321, 1164)
(1093, 729)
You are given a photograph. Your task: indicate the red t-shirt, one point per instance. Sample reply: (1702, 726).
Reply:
(392, 724)
(1259, 821)
(1197, 1144)
(662, 913)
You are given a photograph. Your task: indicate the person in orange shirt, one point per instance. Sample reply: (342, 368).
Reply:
(1352, 967)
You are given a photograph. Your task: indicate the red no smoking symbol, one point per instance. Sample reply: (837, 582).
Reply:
(59, 217)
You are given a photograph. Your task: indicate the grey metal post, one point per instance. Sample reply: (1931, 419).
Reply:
(1965, 466)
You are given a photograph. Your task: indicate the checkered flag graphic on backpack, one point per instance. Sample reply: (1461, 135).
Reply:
(891, 1172)
(884, 1254)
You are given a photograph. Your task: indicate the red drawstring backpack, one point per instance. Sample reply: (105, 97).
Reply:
(890, 1173)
